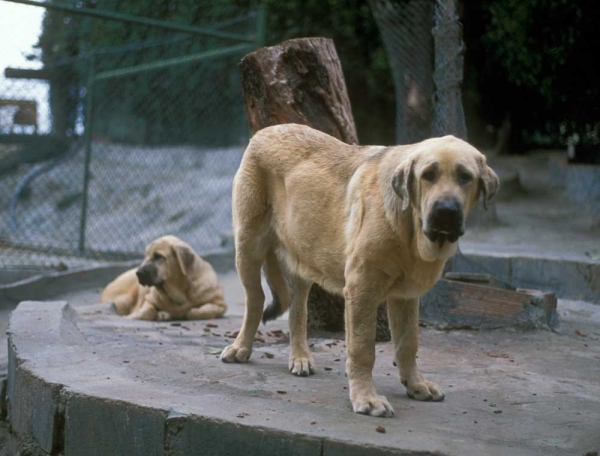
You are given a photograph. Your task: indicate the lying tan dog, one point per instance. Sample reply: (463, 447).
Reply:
(370, 223)
(173, 282)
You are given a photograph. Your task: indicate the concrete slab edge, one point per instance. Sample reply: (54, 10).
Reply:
(47, 419)
(578, 280)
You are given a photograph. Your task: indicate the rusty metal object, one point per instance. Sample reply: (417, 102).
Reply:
(26, 113)
(453, 304)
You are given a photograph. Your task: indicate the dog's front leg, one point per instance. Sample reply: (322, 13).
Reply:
(403, 316)
(144, 312)
(361, 324)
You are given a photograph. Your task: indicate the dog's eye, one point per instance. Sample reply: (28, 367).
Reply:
(464, 178)
(429, 175)
(157, 256)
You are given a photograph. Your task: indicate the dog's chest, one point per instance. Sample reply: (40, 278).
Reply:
(416, 280)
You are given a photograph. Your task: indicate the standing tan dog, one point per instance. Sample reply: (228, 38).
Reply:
(370, 223)
(173, 282)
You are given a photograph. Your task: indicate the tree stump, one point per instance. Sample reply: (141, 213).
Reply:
(301, 81)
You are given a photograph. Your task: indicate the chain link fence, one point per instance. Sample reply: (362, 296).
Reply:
(424, 46)
(105, 150)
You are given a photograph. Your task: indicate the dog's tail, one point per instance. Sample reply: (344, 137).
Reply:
(276, 279)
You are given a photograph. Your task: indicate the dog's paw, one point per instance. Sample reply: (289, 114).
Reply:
(372, 404)
(163, 316)
(235, 354)
(424, 390)
(302, 366)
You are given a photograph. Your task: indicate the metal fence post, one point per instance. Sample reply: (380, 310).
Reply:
(89, 125)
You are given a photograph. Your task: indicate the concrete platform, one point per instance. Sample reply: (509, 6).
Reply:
(83, 380)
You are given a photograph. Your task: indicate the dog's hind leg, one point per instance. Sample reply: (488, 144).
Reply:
(250, 219)
(249, 273)
(276, 278)
(302, 362)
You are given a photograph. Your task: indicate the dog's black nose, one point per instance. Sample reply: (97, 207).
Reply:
(446, 218)
(448, 209)
(142, 275)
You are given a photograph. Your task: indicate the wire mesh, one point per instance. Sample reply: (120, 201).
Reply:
(449, 117)
(167, 136)
(424, 47)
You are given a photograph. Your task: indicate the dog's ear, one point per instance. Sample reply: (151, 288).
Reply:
(403, 183)
(184, 256)
(489, 184)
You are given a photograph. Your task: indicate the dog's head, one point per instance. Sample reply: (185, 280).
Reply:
(167, 259)
(441, 181)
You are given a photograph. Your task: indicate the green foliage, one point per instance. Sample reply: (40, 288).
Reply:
(541, 56)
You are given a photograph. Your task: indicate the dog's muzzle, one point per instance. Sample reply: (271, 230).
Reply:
(446, 221)
(148, 275)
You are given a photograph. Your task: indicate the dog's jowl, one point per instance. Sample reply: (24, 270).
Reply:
(369, 223)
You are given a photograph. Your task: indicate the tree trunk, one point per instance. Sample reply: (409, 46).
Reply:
(301, 81)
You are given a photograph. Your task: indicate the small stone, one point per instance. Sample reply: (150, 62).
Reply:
(313, 422)
(497, 411)
(211, 325)
(327, 368)
(281, 392)
(380, 429)
(176, 324)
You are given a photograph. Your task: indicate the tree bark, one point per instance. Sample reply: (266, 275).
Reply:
(298, 81)
(301, 81)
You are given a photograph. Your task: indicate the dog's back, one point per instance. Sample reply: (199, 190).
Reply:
(289, 199)
(123, 291)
